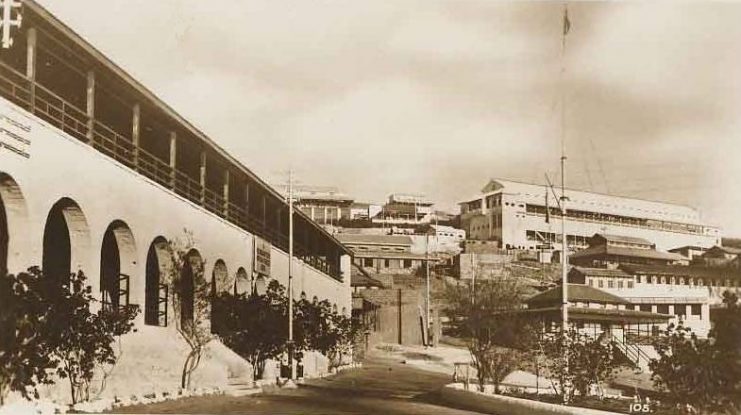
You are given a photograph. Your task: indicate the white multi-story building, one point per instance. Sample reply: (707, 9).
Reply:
(526, 216)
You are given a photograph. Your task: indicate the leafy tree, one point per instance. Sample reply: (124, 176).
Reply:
(82, 340)
(331, 333)
(487, 319)
(694, 372)
(577, 361)
(24, 333)
(255, 326)
(190, 312)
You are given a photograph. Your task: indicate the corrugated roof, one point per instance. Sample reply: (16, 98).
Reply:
(577, 292)
(626, 252)
(623, 239)
(603, 314)
(352, 238)
(601, 272)
(360, 278)
(392, 255)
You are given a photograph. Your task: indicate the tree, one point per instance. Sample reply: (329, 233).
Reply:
(325, 330)
(695, 372)
(255, 326)
(25, 358)
(488, 320)
(82, 340)
(577, 361)
(191, 302)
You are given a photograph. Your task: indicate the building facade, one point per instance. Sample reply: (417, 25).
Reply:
(405, 209)
(525, 216)
(383, 254)
(99, 175)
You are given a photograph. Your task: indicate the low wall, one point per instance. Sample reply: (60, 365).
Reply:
(507, 405)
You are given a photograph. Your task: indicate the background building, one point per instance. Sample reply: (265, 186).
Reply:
(525, 216)
(406, 208)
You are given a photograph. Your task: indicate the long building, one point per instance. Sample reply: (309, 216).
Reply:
(98, 174)
(525, 216)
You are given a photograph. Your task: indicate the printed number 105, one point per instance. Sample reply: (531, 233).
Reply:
(639, 407)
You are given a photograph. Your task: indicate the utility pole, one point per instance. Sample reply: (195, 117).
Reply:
(290, 274)
(473, 278)
(427, 277)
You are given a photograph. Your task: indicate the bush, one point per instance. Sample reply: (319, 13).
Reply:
(25, 353)
(48, 328)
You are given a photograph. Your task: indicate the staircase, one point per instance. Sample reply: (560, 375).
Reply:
(638, 355)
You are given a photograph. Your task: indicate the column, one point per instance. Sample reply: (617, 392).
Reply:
(90, 106)
(135, 125)
(326, 215)
(203, 177)
(312, 213)
(688, 311)
(225, 192)
(31, 64)
(173, 158)
(705, 312)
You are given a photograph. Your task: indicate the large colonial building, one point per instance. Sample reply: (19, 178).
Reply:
(98, 174)
(515, 215)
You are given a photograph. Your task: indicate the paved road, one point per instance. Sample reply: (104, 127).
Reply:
(380, 387)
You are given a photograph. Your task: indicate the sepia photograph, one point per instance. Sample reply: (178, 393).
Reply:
(407, 207)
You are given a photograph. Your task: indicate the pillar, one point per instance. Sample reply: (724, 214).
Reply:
(312, 213)
(173, 157)
(225, 192)
(135, 126)
(203, 178)
(90, 106)
(705, 312)
(688, 311)
(31, 63)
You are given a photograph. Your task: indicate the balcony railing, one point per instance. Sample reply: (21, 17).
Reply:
(67, 117)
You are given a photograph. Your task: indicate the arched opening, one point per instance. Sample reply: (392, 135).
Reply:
(66, 240)
(192, 265)
(261, 286)
(117, 262)
(155, 291)
(241, 282)
(219, 277)
(13, 218)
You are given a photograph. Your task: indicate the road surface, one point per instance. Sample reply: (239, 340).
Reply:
(381, 387)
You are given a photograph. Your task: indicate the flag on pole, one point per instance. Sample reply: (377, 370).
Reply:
(566, 21)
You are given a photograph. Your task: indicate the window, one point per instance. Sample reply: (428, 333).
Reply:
(681, 281)
(630, 284)
(620, 284)
(700, 282)
(367, 262)
(653, 279)
(663, 280)
(696, 309)
(386, 263)
(610, 284)
(662, 309)
(590, 282)
(680, 310)
(600, 283)
(646, 307)
(407, 263)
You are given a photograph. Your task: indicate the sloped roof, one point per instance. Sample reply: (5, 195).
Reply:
(360, 278)
(691, 271)
(623, 239)
(602, 314)
(601, 272)
(626, 252)
(352, 238)
(726, 249)
(577, 292)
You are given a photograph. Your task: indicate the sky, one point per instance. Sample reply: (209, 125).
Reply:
(436, 97)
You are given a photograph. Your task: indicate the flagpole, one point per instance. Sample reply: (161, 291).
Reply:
(290, 274)
(563, 200)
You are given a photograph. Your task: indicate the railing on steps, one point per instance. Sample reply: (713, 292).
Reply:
(631, 351)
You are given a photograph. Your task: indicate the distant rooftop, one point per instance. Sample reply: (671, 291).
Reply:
(623, 239)
(413, 198)
(577, 292)
(351, 238)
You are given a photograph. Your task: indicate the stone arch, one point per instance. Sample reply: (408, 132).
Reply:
(13, 223)
(66, 240)
(117, 264)
(156, 292)
(192, 264)
(241, 281)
